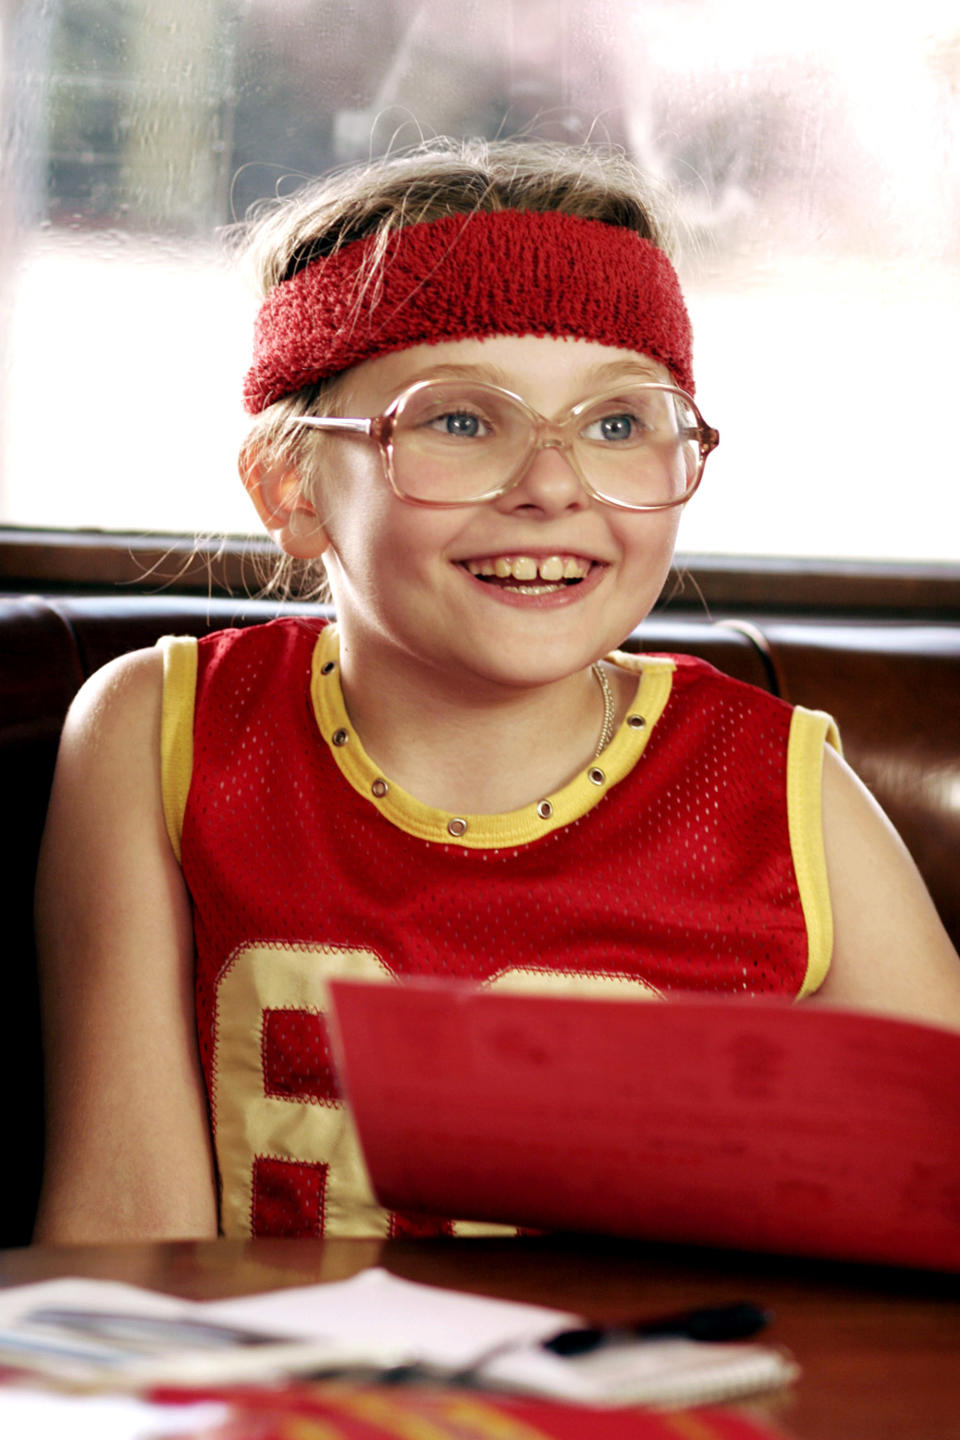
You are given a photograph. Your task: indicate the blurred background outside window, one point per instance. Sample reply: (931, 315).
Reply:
(813, 151)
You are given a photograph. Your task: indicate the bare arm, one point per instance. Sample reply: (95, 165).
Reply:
(891, 952)
(128, 1147)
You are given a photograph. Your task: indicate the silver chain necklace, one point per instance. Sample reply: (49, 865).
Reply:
(609, 709)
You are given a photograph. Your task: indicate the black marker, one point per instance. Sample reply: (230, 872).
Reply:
(716, 1322)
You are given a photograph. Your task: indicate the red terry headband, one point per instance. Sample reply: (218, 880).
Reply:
(504, 272)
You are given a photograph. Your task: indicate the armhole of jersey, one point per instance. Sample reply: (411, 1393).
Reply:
(809, 731)
(176, 730)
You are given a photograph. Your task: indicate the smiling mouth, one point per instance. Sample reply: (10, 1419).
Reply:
(529, 574)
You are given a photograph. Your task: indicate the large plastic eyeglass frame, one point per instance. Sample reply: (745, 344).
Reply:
(545, 434)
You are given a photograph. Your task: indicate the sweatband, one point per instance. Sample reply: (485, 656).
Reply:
(505, 272)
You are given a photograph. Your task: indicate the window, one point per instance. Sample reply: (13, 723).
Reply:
(812, 149)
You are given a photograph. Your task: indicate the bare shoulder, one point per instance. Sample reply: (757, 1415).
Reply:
(891, 952)
(120, 702)
(107, 779)
(128, 1145)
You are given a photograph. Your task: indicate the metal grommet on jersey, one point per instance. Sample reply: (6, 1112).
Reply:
(636, 722)
(329, 668)
(596, 776)
(457, 827)
(544, 809)
(379, 788)
(340, 737)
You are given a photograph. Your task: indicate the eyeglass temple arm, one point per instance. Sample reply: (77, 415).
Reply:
(708, 437)
(336, 422)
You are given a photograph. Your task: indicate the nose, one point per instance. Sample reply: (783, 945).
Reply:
(549, 483)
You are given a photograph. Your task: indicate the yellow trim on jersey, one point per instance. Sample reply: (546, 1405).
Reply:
(487, 832)
(809, 731)
(176, 730)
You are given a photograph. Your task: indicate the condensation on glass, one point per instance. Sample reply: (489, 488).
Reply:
(813, 157)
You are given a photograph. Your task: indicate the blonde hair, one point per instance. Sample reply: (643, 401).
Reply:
(432, 181)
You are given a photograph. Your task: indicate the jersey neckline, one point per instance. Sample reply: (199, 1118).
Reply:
(487, 832)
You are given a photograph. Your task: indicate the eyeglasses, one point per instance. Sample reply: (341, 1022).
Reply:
(447, 443)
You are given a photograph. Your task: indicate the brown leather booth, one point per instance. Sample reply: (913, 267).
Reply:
(894, 689)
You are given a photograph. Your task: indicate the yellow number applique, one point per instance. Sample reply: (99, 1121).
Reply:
(284, 1146)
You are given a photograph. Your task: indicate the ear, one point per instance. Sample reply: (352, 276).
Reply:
(276, 489)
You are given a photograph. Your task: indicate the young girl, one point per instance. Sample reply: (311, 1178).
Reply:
(472, 382)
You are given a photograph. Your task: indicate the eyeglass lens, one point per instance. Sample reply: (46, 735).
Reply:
(455, 442)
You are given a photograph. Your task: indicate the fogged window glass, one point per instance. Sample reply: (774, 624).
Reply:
(812, 149)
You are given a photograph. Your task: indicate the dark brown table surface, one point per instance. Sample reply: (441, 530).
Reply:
(879, 1348)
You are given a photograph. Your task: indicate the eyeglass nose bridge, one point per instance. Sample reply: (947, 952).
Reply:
(553, 442)
(548, 435)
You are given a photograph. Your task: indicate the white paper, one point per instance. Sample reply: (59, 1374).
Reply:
(373, 1320)
(35, 1415)
(397, 1321)
(19, 1300)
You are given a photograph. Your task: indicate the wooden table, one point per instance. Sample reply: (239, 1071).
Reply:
(880, 1349)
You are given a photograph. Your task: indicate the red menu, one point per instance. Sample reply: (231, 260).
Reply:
(752, 1124)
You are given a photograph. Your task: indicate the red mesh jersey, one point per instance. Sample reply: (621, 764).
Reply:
(680, 877)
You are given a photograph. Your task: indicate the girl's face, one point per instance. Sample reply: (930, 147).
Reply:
(412, 585)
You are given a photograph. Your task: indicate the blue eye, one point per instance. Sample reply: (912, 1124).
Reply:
(617, 427)
(459, 423)
(463, 424)
(641, 418)
(614, 428)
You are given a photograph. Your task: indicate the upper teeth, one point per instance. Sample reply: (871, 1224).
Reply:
(526, 567)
